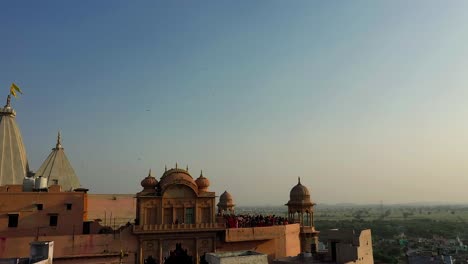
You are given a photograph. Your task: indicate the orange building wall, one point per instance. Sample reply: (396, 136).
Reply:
(275, 241)
(107, 207)
(31, 220)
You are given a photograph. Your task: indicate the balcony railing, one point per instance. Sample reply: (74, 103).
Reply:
(177, 227)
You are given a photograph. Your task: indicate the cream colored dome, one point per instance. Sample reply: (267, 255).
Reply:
(299, 195)
(226, 199)
(299, 192)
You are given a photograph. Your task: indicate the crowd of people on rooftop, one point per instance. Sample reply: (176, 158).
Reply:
(239, 221)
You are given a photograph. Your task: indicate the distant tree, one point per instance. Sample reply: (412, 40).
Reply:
(388, 213)
(406, 214)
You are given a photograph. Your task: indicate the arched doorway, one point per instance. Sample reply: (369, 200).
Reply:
(178, 256)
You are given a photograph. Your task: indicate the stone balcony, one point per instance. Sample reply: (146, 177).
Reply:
(168, 228)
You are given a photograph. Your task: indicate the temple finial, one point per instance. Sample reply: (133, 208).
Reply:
(165, 167)
(176, 165)
(59, 141)
(201, 173)
(8, 102)
(186, 168)
(149, 173)
(298, 180)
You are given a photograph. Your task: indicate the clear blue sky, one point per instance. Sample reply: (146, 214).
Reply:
(365, 100)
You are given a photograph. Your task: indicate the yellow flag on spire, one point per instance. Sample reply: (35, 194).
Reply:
(14, 88)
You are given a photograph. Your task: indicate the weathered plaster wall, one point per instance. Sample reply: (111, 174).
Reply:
(32, 219)
(119, 207)
(79, 245)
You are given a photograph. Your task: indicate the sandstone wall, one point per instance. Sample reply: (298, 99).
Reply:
(275, 241)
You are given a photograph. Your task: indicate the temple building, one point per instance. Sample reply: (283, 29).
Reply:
(175, 212)
(58, 170)
(13, 161)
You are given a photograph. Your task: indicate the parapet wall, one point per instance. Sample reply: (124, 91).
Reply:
(76, 247)
(275, 241)
(260, 233)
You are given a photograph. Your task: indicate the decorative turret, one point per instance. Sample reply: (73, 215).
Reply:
(299, 195)
(57, 169)
(226, 203)
(301, 210)
(149, 183)
(202, 183)
(13, 161)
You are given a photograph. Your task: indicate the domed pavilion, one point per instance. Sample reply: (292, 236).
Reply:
(226, 203)
(301, 210)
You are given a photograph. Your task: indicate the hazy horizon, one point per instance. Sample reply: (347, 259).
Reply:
(364, 100)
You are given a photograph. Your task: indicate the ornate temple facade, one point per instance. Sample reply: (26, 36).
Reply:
(175, 212)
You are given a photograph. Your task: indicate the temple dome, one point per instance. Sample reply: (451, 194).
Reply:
(299, 195)
(149, 182)
(57, 167)
(226, 199)
(202, 182)
(13, 161)
(177, 176)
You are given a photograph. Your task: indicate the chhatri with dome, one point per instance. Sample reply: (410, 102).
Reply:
(301, 211)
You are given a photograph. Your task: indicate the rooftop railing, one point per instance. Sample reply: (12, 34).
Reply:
(177, 227)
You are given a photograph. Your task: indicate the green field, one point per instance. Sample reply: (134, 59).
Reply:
(389, 224)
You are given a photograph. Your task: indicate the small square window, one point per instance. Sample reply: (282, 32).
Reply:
(40, 207)
(13, 220)
(53, 220)
(69, 206)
